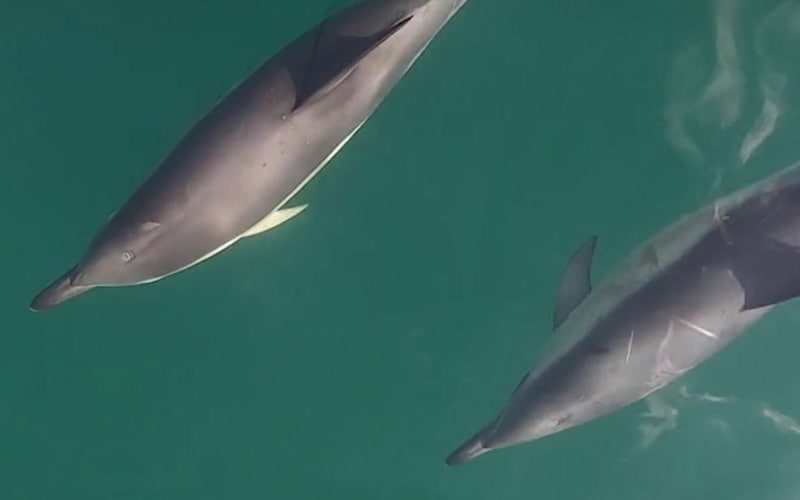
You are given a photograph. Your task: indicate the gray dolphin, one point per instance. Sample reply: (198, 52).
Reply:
(232, 174)
(678, 299)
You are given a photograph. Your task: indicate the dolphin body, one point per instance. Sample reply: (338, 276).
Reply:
(678, 299)
(232, 174)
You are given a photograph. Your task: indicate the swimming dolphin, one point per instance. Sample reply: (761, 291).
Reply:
(678, 299)
(233, 173)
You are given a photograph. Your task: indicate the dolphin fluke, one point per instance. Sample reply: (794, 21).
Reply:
(472, 448)
(57, 292)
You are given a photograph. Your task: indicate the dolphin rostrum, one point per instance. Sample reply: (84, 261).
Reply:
(232, 174)
(678, 299)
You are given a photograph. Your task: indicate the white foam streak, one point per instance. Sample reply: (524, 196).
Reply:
(723, 95)
(782, 422)
(764, 125)
(661, 418)
(707, 106)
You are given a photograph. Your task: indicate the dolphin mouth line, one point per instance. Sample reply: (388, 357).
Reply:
(58, 291)
(74, 279)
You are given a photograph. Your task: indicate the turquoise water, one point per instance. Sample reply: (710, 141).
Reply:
(344, 354)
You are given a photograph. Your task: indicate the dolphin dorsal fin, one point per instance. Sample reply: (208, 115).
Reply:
(333, 58)
(576, 282)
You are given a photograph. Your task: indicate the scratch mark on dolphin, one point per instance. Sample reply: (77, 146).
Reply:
(699, 329)
(630, 348)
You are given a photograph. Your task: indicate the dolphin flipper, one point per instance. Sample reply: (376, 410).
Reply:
(333, 57)
(768, 270)
(274, 219)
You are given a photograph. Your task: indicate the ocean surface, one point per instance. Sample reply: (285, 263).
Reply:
(344, 354)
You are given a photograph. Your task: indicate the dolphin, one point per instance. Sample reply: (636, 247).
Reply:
(675, 301)
(232, 175)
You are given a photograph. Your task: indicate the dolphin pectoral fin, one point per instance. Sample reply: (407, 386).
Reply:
(576, 282)
(333, 58)
(275, 218)
(768, 271)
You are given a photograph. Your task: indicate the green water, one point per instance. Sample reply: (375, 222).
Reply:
(344, 354)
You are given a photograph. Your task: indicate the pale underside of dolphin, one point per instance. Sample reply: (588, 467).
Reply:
(232, 175)
(677, 300)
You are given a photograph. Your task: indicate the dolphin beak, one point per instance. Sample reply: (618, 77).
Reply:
(58, 291)
(473, 447)
(466, 452)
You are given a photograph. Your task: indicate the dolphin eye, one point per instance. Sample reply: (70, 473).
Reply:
(127, 256)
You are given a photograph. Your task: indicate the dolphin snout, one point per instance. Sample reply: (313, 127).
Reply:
(58, 291)
(472, 447)
(466, 452)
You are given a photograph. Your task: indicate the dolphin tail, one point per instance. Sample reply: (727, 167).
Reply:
(472, 447)
(57, 292)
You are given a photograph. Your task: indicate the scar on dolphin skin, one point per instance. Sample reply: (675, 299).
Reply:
(697, 328)
(719, 219)
(630, 348)
(663, 363)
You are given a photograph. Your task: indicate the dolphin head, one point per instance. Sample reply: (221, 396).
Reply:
(544, 403)
(538, 410)
(531, 414)
(118, 256)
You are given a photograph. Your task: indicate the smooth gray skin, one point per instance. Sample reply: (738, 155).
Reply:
(258, 146)
(683, 296)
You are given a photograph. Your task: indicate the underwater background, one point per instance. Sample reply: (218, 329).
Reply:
(343, 355)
